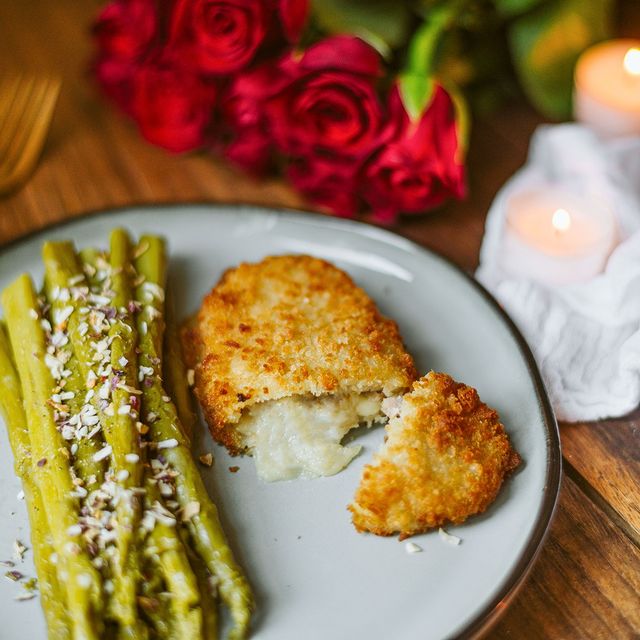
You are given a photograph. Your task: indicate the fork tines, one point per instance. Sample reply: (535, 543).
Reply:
(27, 103)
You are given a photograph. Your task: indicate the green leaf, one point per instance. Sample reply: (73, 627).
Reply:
(546, 44)
(384, 24)
(416, 91)
(510, 8)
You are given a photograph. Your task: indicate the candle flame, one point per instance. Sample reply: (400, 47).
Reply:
(631, 62)
(561, 220)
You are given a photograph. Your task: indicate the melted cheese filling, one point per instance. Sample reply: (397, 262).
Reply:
(300, 436)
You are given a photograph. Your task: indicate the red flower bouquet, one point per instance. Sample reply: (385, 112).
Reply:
(232, 76)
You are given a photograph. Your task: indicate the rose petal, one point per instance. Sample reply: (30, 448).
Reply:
(339, 52)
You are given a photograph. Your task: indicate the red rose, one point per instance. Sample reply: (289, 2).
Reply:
(419, 167)
(125, 32)
(172, 105)
(219, 36)
(125, 29)
(330, 182)
(331, 103)
(242, 107)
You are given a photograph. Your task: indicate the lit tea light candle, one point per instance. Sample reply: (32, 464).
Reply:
(561, 220)
(556, 238)
(607, 88)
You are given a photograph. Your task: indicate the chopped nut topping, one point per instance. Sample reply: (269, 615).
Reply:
(142, 428)
(191, 509)
(19, 549)
(170, 443)
(79, 492)
(143, 372)
(14, 576)
(148, 604)
(91, 379)
(152, 290)
(61, 316)
(84, 580)
(166, 490)
(105, 452)
(128, 388)
(447, 537)
(206, 459)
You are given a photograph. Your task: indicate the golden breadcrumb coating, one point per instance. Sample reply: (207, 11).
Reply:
(288, 325)
(444, 459)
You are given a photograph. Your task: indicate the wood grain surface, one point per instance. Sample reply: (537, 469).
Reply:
(586, 583)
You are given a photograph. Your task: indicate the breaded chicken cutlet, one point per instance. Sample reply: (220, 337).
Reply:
(444, 459)
(289, 354)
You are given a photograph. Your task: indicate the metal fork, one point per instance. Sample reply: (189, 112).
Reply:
(26, 108)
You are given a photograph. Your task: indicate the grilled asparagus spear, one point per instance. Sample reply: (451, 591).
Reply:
(50, 465)
(52, 596)
(166, 431)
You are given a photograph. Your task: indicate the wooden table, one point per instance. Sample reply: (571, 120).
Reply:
(586, 583)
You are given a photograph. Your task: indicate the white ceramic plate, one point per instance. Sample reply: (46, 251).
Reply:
(313, 575)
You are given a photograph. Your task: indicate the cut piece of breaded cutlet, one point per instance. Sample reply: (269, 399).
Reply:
(289, 354)
(444, 459)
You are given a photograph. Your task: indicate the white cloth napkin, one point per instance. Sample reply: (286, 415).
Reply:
(585, 336)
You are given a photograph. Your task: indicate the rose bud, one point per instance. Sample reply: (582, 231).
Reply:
(330, 182)
(172, 105)
(293, 17)
(218, 36)
(421, 165)
(331, 104)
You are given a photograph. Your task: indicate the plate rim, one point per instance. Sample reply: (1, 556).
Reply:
(496, 607)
